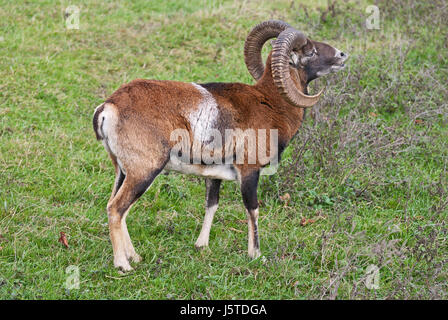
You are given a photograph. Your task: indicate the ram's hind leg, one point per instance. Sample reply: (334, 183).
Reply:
(119, 177)
(131, 255)
(117, 209)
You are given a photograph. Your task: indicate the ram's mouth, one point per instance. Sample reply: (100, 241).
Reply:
(337, 67)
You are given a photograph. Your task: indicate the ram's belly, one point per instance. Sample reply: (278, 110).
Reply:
(215, 171)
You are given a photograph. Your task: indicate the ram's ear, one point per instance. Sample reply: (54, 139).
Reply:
(307, 53)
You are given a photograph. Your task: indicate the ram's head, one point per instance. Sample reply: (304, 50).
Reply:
(291, 49)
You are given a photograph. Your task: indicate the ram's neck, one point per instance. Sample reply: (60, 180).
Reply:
(291, 116)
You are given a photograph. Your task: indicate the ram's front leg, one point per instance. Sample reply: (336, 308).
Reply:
(211, 205)
(249, 183)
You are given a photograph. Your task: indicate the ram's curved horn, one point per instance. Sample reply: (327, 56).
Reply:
(255, 41)
(286, 41)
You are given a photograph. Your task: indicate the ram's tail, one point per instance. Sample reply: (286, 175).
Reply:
(98, 122)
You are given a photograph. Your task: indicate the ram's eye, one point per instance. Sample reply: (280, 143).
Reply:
(311, 53)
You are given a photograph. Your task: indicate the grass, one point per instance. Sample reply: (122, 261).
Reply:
(366, 175)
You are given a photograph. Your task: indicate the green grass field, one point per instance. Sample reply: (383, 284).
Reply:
(366, 175)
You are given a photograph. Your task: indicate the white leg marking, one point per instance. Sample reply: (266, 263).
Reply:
(253, 244)
(206, 226)
(118, 245)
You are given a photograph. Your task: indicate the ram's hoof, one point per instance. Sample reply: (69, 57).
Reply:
(254, 254)
(123, 265)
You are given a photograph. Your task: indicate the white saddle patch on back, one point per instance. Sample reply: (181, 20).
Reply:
(203, 119)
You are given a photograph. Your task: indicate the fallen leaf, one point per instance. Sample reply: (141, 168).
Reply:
(419, 121)
(305, 221)
(63, 239)
(285, 198)
(288, 255)
(373, 114)
(320, 215)
(233, 229)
